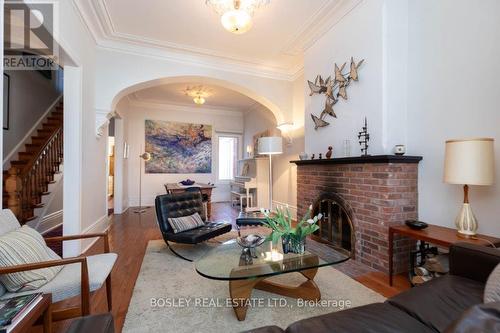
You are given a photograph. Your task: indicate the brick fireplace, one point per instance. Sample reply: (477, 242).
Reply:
(374, 191)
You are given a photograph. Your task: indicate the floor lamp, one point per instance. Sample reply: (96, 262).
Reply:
(270, 145)
(143, 157)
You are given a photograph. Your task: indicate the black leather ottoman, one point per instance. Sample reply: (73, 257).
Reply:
(101, 323)
(250, 219)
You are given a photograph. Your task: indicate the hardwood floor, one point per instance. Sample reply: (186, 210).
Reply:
(129, 234)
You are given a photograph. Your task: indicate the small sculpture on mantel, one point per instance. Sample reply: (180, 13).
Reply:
(312, 157)
(364, 142)
(329, 152)
(320, 156)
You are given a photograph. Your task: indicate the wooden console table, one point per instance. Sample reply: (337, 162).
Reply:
(436, 235)
(205, 189)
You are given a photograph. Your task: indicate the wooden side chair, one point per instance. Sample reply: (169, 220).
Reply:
(79, 276)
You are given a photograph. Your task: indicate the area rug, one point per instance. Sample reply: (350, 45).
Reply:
(170, 296)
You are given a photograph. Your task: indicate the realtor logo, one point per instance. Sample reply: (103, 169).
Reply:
(29, 31)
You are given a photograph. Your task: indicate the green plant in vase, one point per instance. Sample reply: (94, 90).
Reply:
(293, 238)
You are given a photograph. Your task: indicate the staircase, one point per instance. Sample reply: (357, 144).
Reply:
(28, 178)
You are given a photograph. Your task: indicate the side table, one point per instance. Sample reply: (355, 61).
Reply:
(437, 235)
(41, 312)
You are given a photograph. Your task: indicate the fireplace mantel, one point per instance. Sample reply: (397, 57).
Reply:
(362, 160)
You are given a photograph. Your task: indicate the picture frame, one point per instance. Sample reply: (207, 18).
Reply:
(6, 101)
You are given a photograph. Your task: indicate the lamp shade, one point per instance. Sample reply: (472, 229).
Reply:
(469, 162)
(270, 145)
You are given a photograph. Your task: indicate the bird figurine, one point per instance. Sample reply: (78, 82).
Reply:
(318, 122)
(319, 86)
(338, 73)
(329, 152)
(353, 73)
(328, 110)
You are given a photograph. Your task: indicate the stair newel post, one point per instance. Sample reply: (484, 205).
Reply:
(13, 187)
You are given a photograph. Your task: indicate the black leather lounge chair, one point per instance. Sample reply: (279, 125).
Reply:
(185, 204)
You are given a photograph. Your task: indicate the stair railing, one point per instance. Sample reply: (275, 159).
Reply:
(26, 183)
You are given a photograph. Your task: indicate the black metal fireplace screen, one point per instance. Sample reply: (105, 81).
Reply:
(335, 227)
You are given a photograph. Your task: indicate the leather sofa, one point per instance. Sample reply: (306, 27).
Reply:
(185, 204)
(451, 303)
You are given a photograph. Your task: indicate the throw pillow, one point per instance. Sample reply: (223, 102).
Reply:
(25, 246)
(492, 289)
(184, 223)
(479, 318)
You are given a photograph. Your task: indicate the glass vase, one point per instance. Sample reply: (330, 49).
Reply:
(285, 242)
(297, 245)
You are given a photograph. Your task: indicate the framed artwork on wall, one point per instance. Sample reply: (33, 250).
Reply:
(6, 100)
(178, 147)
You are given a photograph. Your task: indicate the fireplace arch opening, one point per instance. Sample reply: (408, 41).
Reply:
(336, 228)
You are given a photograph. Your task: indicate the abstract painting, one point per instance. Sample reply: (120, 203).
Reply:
(178, 147)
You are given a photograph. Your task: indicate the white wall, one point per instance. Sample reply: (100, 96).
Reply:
(31, 94)
(259, 119)
(358, 35)
(453, 91)
(427, 77)
(134, 115)
(85, 155)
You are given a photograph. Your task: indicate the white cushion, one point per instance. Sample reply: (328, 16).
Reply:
(8, 222)
(184, 223)
(24, 246)
(492, 288)
(67, 283)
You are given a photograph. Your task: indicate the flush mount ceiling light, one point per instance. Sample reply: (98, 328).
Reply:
(198, 93)
(236, 15)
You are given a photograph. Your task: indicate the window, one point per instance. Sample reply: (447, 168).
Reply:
(228, 153)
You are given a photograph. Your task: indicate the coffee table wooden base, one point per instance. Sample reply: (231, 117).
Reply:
(241, 290)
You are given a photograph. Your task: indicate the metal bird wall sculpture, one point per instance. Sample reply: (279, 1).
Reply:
(333, 90)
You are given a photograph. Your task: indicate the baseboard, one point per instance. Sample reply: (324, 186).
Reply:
(101, 225)
(50, 222)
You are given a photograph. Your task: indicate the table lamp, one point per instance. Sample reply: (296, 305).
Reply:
(469, 162)
(270, 145)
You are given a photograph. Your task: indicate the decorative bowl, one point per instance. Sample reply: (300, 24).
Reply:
(250, 241)
(417, 225)
(187, 182)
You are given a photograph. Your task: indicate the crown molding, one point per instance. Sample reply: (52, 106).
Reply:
(205, 109)
(318, 24)
(102, 117)
(97, 18)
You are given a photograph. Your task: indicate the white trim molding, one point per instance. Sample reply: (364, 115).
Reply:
(98, 21)
(102, 118)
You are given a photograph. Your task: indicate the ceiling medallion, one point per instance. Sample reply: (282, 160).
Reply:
(236, 15)
(198, 93)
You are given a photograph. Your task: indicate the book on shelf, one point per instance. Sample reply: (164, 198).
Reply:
(14, 309)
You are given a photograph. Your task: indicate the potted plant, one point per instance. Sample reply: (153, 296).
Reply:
(293, 238)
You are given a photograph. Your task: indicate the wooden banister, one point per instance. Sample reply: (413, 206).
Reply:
(28, 179)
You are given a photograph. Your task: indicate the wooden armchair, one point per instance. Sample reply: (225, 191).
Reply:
(79, 276)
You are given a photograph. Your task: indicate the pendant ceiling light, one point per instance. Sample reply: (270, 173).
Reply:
(236, 15)
(198, 93)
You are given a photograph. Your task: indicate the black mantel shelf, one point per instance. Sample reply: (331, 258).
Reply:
(362, 159)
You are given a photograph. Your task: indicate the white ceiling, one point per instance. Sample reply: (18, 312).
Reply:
(173, 93)
(281, 32)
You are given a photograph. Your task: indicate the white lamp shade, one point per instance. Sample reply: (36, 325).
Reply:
(270, 145)
(469, 162)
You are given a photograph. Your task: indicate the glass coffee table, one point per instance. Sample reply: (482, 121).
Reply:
(226, 262)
